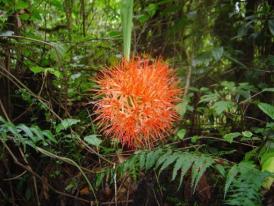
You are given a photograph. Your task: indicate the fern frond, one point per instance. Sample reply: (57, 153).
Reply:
(230, 177)
(163, 159)
(152, 157)
(200, 165)
(185, 166)
(25, 135)
(243, 184)
(169, 160)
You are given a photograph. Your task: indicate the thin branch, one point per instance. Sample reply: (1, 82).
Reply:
(189, 71)
(69, 161)
(16, 177)
(29, 169)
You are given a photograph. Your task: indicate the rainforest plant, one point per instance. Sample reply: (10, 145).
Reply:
(139, 95)
(138, 101)
(87, 119)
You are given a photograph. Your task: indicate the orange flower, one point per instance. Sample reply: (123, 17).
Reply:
(137, 103)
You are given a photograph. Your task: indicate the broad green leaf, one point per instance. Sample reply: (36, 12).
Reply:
(247, 134)
(181, 133)
(267, 109)
(37, 69)
(217, 53)
(25, 16)
(271, 26)
(268, 165)
(222, 106)
(54, 71)
(230, 137)
(268, 90)
(127, 15)
(209, 97)
(65, 124)
(251, 154)
(151, 9)
(194, 139)
(181, 108)
(75, 76)
(202, 59)
(57, 4)
(21, 5)
(35, 14)
(266, 155)
(93, 140)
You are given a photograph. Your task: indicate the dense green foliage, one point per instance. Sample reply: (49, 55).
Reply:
(221, 152)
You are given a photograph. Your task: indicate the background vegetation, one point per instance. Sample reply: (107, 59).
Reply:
(221, 151)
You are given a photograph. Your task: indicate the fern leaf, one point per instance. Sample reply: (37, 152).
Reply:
(12, 129)
(168, 161)
(142, 160)
(185, 166)
(230, 177)
(177, 166)
(129, 165)
(245, 182)
(152, 158)
(163, 158)
(26, 130)
(199, 167)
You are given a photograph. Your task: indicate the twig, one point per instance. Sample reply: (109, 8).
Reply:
(214, 138)
(5, 163)
(19, 84)
(70, 161)
(22, 114)
(253, 118)
(29, 169)
(3, 110)
(113, 203)
(189, 60)
(33, 177)
(251, 97)
(16, 177)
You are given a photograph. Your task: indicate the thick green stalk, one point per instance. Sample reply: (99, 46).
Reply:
(127, 15)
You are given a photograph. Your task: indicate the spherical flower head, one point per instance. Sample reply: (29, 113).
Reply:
(136, 102)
